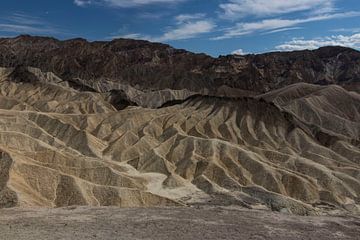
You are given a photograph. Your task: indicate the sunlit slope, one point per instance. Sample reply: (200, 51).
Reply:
(294, 149)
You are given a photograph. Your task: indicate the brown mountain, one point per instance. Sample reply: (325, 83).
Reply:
(154, 66)
(131, 123)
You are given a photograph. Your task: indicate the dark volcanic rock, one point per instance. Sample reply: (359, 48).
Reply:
(155, 66)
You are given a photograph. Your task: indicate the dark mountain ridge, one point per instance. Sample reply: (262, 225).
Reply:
(155, 66)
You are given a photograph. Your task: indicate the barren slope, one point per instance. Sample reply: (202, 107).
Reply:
(294, 150)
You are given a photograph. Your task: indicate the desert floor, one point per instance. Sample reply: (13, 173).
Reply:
(170, 223)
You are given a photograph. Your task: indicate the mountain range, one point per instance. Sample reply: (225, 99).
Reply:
(132, 123)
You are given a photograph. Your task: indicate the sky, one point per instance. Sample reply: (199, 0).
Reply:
(214, 27)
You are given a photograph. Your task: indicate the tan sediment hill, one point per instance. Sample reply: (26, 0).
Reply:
(295, 149)
(330, 109)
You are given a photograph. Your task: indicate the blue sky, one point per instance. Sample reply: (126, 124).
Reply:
(211, 26)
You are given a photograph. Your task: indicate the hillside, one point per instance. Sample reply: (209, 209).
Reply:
(294, 149)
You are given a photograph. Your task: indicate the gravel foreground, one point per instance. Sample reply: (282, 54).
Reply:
(170, 223)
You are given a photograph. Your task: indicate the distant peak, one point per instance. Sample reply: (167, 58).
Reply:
(28, 37)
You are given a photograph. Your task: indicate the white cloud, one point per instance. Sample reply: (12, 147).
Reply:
(20, 23)
(241, 8)
(21, 18)
(239, 52)
(14, 28)
(283, 30)
(351, 30)
(132, 36)
(124, 3)
(81, 2)
(352, 41)
(268, 25)
(186, 27)
(189, 17)
(187, 30)
(181, 32)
